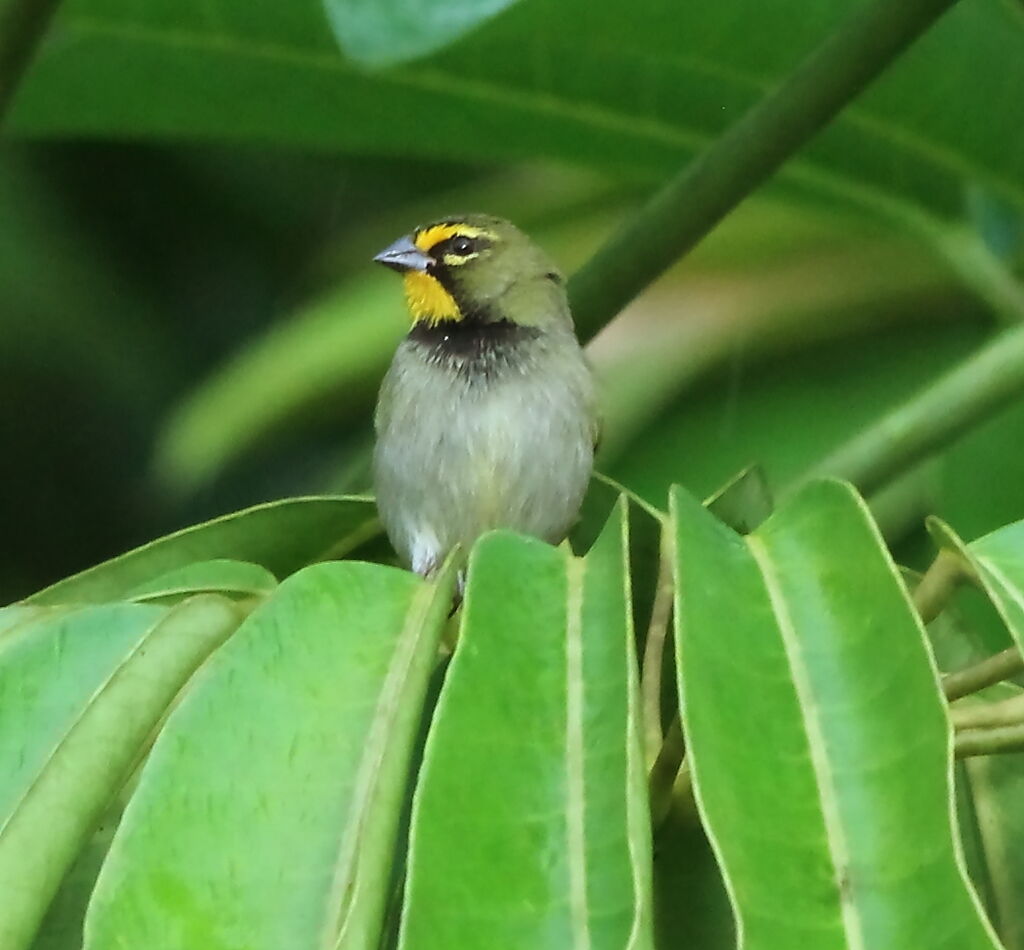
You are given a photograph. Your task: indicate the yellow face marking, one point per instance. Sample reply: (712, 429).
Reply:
(437, 233)
(428, 301)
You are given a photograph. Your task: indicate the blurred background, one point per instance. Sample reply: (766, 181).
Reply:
(190, 323)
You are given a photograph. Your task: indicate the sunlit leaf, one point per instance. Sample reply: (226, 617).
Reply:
(266, 813)
(530, 822)
(282, 536)
(79, 696)
(797, 705)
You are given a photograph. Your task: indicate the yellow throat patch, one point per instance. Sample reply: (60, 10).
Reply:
(428, 300)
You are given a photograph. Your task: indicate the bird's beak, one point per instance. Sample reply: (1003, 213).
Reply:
(403, 255)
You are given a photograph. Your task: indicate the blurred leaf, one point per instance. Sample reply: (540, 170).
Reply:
(798, 708)
(218, 576)
(334, 352)
(282, 536)
(756, 410)
(265, 815)
(382, 32)
(567, 79)
(526, 760)
(80, 696)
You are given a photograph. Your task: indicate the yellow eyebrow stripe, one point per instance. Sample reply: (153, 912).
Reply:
(436, 233)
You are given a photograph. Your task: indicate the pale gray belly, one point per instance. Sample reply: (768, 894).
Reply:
(455, 461)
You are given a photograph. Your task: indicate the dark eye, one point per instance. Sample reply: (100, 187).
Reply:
(462, 246)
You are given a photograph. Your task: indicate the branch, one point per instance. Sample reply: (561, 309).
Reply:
(654, 652)
(937, 585)
(692, 203)
(986, 673)
(927, 422)
(988, 741)
(1007, 712)
(22, 25)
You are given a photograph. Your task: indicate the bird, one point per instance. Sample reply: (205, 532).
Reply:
(487, 417)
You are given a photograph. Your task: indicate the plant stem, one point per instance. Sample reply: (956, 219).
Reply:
(693, 202)
(966, 395)
(654, 653)
(665, 772)
(978, 715)
(938, 583)
(986, 673)
(988, 741)
(22, 25)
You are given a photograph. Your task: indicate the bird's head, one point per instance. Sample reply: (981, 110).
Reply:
(477, 268)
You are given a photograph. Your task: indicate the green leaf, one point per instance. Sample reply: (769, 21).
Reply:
(15, 615)
(997, 787)
(817, 736)
(265, 815)
(564, 79)
(997, 561)
(80, 695)
(382, 32)
(282, 536)
(645, 525)
(530, 825)
(221, 576)
(744, 501)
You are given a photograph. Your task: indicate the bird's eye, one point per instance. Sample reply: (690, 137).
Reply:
(462, 246)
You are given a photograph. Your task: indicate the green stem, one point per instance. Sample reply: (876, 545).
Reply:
(692, 203)
(22, 25)
(988, 741)
(988, 672)
(665, 772)
(654, 653)
(977, 715)
(937, 585)
(958, 400)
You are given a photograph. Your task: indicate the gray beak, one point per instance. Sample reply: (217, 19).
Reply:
(403, 255)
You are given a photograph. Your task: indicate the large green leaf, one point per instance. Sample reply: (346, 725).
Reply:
(282, 536)
(530, 823)
(817, 736)
(265, 815)
(79, 696)
(567, 79)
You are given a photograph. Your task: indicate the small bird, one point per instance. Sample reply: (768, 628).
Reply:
(487, 417)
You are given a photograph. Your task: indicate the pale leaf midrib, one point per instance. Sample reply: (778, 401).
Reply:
(368, 772)
(835, 837)
(575, 757)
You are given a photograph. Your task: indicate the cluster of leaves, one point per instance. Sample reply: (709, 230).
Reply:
(250, 749)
